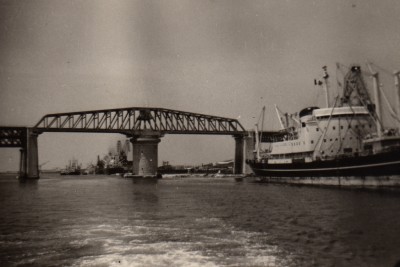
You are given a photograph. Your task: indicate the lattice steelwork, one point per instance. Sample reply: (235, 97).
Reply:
(12, 136)
(131, 120)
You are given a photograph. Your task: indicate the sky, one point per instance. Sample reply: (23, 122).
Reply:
(223, 58)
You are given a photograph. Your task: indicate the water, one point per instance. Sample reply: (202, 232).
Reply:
(110, 221)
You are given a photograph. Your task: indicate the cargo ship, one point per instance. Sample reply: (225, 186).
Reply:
(341, 144)
(73, 168)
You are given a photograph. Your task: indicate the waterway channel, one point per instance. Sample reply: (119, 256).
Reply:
(193, 221)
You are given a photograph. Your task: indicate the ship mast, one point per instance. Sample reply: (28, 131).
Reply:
(257, 142)
(397, 84)
(278, 112)
(259, 136)
(375, 80)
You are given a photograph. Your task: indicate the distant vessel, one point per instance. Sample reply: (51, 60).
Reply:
(114, 162)
(73, 168)
(343, 140)
(221, 167)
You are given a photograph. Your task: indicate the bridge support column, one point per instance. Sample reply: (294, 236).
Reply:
(22, 163)
(145, 154)
(239, 157)
(29, 162)
(244, 149)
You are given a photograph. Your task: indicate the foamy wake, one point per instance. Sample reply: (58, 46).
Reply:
(213, 244)
(176, 258)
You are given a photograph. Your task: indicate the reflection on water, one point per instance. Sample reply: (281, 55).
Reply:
(110, 221)
(27, 183)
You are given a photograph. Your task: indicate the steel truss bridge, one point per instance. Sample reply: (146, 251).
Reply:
(144, 127)
(137, 119)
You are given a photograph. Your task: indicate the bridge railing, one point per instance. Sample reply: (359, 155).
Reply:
(139, 119)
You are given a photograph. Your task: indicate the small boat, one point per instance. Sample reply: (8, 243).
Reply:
(346, 139)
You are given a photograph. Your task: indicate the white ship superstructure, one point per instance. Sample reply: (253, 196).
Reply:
(324, 133)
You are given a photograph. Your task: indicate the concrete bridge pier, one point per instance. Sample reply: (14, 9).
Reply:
(29, 161)
(145, 154)
(249, 148)
(239, 156)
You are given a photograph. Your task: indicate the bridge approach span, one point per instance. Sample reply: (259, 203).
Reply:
(134, 120)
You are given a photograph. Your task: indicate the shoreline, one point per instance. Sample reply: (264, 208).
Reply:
(357, 182)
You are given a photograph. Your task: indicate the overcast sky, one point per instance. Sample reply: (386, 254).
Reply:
(224, 58)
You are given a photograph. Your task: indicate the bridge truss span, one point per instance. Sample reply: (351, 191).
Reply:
(138, 119)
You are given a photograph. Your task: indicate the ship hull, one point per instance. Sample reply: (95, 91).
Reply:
(114, 170)
(373, 165)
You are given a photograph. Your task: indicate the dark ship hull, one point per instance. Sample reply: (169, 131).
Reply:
(372, 165)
